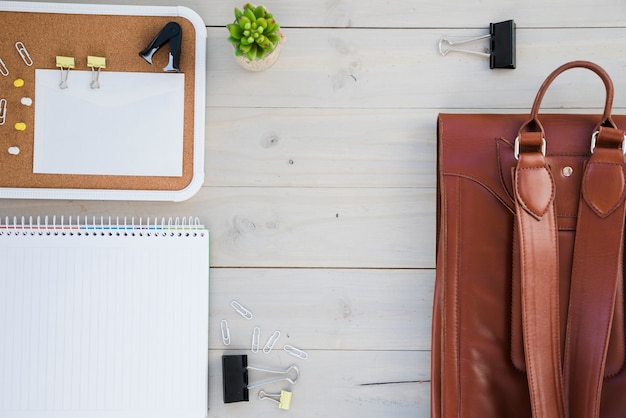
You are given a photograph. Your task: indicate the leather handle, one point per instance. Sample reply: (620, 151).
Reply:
(608, 104)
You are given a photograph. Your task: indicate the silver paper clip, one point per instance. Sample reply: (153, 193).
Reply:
(285, 376)
(225, 332)
(501, 47)
(241, 310)
(21, 49)
(3, 68)
(283, 399)
(256, 336)
(3, 111)
(269, 345)
(296, 352)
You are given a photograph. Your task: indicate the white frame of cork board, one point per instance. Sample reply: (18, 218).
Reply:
(197, 178)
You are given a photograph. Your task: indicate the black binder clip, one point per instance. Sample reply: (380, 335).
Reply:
(502, 45)
(173, 33)
(235, 377)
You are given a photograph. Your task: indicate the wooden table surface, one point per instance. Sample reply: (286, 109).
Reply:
(321, 172)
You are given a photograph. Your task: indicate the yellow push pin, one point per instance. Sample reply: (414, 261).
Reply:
(283, 399)
(20, 126)
(18, 83)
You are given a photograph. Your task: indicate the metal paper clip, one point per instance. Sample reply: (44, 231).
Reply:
(283, 399)
(3, 68)
(96, 63)
(3, 111)
(269, 345)
(225, 332)
(502, 45)
(241, 310)
(65, 64)
(21, 49)
(296, 352)
(256, 337)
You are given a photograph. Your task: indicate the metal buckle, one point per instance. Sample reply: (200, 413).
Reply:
(594, 137)
(516, 147)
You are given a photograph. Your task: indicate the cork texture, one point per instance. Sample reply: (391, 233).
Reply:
(118, 38)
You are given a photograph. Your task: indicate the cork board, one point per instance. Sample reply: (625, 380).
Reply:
(117, 37)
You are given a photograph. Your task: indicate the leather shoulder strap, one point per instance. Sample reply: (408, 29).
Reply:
(538, 243)
(596, 271)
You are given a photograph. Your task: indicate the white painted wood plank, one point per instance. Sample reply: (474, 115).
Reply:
(377, 68)
(309, 147)
(429, 13)
(338, 384)
(289, 227)
(320, 147)
(408, 13)
(325, 309)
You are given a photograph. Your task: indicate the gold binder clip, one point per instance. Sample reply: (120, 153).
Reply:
(96, 63)
(65, 64)
(283, 399)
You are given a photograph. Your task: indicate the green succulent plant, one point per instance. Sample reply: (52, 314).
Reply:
(254, 33)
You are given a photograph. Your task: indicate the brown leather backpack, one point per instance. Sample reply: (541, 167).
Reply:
(528, 314)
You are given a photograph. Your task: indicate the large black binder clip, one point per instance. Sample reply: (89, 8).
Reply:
(173, 34)
(502, 45)
(235, 377)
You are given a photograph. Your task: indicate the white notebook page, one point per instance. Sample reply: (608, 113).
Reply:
(105, 326)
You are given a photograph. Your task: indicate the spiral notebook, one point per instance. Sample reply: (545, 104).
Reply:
(103, 318)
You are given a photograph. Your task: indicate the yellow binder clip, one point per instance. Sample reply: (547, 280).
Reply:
(96, 63)
(65, 64)
(283, 399)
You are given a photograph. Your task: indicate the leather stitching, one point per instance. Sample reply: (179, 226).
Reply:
(521, 198)
(598, 211)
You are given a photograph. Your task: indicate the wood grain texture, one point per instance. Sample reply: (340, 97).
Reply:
(320, 179)
(409, 13)
(325, 309)
(290, 227)
(308, 147)
(402, 68)
(338, 384)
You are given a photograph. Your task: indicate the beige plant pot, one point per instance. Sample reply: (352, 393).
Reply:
(262, 64)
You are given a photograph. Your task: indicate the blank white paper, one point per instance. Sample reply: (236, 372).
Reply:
(132, 125)
(104, 326)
